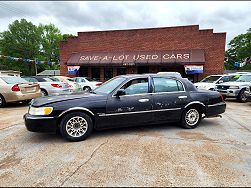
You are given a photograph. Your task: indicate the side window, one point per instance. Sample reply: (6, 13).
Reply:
(167, 85)
(136, 86)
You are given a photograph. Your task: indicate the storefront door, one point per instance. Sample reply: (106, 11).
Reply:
(143, 69)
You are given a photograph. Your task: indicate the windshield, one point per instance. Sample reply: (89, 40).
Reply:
(13, 80)
(109, 86)
(210, 79)
(48, 80)
(244, 78)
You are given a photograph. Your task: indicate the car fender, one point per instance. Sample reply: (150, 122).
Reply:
(76, 109)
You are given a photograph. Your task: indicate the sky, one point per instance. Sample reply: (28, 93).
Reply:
(232, 17)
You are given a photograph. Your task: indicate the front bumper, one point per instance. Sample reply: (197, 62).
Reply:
(215, 109)
(40, 123)
(229, 92)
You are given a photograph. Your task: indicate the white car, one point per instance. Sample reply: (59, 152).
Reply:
(87, 84)
(209, 82)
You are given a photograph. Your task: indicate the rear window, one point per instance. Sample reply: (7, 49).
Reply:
(13, 80)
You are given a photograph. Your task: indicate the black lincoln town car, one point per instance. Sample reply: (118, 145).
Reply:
(126, 100)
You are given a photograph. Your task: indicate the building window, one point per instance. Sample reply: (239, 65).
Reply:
(108, 73)
(96, 74)
(121, 70)
(83, 71)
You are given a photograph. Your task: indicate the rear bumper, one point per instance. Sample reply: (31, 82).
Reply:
(215, 109)
(18, 96)
(54, 92)
(40, 124)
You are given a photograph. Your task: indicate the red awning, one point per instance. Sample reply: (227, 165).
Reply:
(195, 56)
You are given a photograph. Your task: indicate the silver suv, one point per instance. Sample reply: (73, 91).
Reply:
(235, 89)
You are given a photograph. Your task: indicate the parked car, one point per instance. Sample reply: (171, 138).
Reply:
(235, 89)
(210, 82)
(125, 100)
(14, 89)
(87, 84)
(73, 85)
(49, 87)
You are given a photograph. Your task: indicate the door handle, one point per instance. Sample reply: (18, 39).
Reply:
(182, 97)
(143, 100)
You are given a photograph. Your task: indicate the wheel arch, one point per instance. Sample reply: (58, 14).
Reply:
(76, 109)
(198, 104)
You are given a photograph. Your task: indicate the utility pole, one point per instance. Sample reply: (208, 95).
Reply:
(36, 66)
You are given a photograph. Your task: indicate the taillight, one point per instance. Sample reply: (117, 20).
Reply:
(98, 84)
(15, 88)
(222, 98)
(56, 85)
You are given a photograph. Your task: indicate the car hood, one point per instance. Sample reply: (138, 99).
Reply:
(41, 101)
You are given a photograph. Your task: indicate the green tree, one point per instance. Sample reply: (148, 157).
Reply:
(239, 50)
(22, 39)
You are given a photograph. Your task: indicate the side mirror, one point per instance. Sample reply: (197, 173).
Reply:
(120, 92)
(221, 81)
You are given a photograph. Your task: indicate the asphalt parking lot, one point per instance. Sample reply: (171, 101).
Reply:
(217, 153)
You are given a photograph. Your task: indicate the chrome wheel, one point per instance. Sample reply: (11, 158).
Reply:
(243, 97)
(1, 101)
(87, 89)
(192, 117)
(76, 126)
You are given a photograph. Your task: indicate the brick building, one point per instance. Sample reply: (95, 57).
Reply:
(193, 52)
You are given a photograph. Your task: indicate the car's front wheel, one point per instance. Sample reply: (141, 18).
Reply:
(242, 96)
(76, 126)
(191, 118)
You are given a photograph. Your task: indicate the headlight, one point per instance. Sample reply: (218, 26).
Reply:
(40, 110)
(234, 87)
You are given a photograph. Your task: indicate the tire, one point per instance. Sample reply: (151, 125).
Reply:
(27, 101)
(2, 101)
(242, 97)
(71, 130)
(87, 88)
(44, 92)
(188, 120)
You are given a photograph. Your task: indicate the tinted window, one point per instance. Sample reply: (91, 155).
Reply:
(13, 80)
(167, 85)
(136, 86)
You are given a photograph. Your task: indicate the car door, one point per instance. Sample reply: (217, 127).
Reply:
(169, 98)
(132, 108)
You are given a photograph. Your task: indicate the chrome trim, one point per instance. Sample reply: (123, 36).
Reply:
(38, 117)
(143, 100)
(76, 108)
(147, 111)
(217, 104)
(182, 97)
(194, 102)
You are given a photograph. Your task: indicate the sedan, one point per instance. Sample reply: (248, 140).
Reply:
(15, 89)
(126, 100)
(50, 87)
(86, 83)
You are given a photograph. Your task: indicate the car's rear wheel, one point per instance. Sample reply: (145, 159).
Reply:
(242, 96)
(76, 126)
(87, 88)
(2, 101)
(191, 118)
(44, 92)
